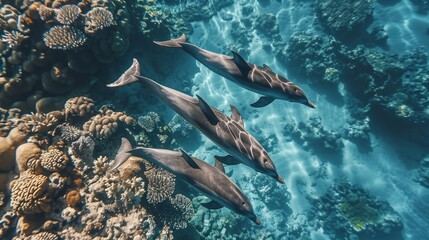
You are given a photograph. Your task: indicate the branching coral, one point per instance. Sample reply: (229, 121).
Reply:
(64, 38)
(160, 185)
(13, 38)
(97, 19)
(68, 14)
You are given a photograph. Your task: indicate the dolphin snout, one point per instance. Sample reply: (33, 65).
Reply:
(279, 179)
(257, 221)
(310, 104)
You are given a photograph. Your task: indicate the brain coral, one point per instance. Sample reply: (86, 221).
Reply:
(54, 160)
(67, 14)
(42, 236)
(97, 19)
(160, 185)
(29, 194)
(64, 37)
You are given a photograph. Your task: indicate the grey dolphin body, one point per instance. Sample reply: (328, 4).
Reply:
(258, 79)
(209, 180)
(227, 132)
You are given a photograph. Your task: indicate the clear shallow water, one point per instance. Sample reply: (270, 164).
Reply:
(382, 171)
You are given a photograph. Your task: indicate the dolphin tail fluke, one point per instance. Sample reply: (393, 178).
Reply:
(173, 43)
(129, 76)
(122, 155)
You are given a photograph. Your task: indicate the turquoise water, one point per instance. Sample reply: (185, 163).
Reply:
(355, 167)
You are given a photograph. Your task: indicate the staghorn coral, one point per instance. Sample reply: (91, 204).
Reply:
(64, 38)
(40, 122)
(67, 14)
(98, 19)
(176, 212)
(79, 107)
(13, 38)
(160, 185)
(54, 160)
(29, 194)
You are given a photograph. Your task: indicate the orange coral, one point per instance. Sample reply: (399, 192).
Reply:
(73, 198)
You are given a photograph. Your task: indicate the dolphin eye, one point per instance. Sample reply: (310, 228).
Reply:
(243, 203)
(265, 161)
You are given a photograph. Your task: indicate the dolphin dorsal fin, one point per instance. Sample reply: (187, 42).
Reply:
(262, 102)
(219, 166)
(122, 155)
(189, 159)
(241, 63)
(264, 66)
(227, 160)
(207, 110)
(212, 205)
(236, 116)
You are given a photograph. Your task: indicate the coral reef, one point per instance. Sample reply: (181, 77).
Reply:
(345, 19)
(347, 211)
(423, 171)
(312, 136)
(63, 189)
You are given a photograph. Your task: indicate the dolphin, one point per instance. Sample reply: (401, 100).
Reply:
(227, 132)
(209, 180)
(255, 78)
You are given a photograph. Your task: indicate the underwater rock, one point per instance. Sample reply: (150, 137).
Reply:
(25, 153)
(344, 19)
(347, 211)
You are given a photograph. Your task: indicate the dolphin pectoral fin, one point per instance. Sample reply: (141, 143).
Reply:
(241, 63)
(236, 115)
(207, 110)
(122, 155)
(262, 102)
(189, 159)
(129, 76)
(219, 165)
(227, 160)
(266, 67)
(212, 205)
(173, 43)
